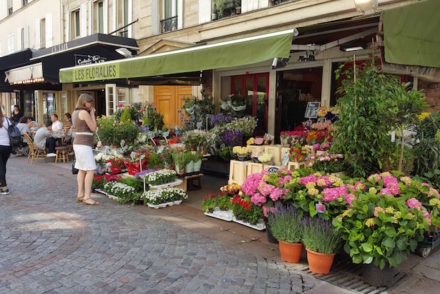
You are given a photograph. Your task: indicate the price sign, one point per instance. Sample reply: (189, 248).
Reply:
(312, 109)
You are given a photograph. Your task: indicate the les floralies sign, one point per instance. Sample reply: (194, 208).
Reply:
(97, 72)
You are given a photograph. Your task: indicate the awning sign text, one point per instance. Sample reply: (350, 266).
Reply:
(96, 73)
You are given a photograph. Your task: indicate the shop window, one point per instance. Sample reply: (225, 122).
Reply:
(254, 89)
(49, 105)
(99, 17)
(169, 19)
(24, 2)
(123, 16)
(295, 88)
(10, 7)
(75, 24)
(225, 8)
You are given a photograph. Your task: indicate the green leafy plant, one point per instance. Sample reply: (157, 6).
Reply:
(124, 193)
(126, 115)
(285, 224)
(320, 236)
(153, 119)
(197, 111)
(106, 130)
(244, 209)
(380, 229)
(154, 161)
(366, 107)
(126, 131)
(133, 182)
(209, 203)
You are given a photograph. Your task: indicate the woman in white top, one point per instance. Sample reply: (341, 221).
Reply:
(5, 152)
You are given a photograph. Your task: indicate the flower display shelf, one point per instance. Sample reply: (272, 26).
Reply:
(176, 182)
(225, 215)
(293, 165)
(256, 149)
(237, 172)
(275, 151)
(163, 205)
(260, 226)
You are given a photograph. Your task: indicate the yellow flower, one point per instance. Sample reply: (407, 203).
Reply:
(310, 185)
(370, 222)
(398, 215)
(347, 212)
(251, 141)
(423, 116)
(312, 192)
(389, 210)
(406, 180)
(338, 183)
(372, 191)
(321, 183)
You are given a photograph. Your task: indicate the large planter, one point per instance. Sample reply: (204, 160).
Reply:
(319, 263)
(189, 167)
(376, 277)
(290, 252)
(197, 165)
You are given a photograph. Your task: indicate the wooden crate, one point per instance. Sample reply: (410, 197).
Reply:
(237, 172)
(293, 165)
(275, 150)
(254, 168)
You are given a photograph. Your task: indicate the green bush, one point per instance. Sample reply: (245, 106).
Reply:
(126, 115)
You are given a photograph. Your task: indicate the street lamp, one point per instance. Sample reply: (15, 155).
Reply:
(364, 5)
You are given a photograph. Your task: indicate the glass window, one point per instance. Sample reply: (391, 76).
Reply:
(295, 88)
(10, 8)
(49, 105)
(100, 17)
(169, 16)
(224, 8)
(75, 24)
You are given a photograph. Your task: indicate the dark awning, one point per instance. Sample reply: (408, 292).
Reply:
(412, 35)
(17, 59)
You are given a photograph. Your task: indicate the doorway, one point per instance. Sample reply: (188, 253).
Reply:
(168, 100)
(255, 89)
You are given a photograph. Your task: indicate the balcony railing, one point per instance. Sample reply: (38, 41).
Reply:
(168, 24)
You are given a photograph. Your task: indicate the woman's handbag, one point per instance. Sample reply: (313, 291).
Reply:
(74, 170)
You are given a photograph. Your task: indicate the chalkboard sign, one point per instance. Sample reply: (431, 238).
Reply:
(312, 109)
(273, 170)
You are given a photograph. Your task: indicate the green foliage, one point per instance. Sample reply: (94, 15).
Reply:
(380, 230)
(245, 210)
(427, 148)
(179, 159)
(210, 202)
(320, 236)
(106, 130)
(126, 131)
(126, 116)
(286, 225)
(197, 111)
(154, 161)
(133, 182)
(153, 119)
(226, 153)
(98, 184)
(391, 161)
(367, 108)
(135, 110)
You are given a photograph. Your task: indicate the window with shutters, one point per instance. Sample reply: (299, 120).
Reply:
(169, 18)
(75, 27)
(24, 2)
(225, 8)
(10, 7)
(10, 43)
(43, 33)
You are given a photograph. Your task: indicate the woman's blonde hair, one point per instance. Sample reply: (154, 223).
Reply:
(83, 99)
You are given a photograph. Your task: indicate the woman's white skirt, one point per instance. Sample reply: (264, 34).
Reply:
(84, 158)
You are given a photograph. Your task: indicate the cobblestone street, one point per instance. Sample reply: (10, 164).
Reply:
(48, 243)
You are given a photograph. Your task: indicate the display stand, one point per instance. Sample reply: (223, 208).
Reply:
(254, 168)
(275, 151)
(237, 172)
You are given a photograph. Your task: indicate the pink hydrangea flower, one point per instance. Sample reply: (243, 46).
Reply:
(332, 194)
(277, 194)
(427, 216)
(265, 189)
(386, 191)
(258, 199)
(349, 199)
(251, 184)
(414, 203)
(309, 179)
(392, 184)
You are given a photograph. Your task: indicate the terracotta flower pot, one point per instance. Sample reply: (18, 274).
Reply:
(319, 263)
(290, 252)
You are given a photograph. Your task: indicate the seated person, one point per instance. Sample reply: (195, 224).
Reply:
(67, 120)
(23, 126)
(32, 124)
(57, 126)
(43, 138)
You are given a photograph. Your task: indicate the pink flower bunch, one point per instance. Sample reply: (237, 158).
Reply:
(414, 203)
(258, 199)
(391, 186)
(265, 189)
(374, 178)
(251, 183)
(278, 193)
(266, 210)
(332, 194)
(378, 209)
(284, 180)
(434, 192)
(349, 199)
(309, 179)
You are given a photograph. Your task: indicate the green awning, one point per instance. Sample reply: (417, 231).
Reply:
(412, 34)
(214, 56)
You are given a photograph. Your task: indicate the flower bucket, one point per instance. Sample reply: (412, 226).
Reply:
(376, 277)
(197, 165)
(189, 168)
(319, 263)
(115, 169)
(290, 252)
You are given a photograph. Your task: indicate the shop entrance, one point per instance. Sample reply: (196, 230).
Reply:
(295, 88)
(255, 89)
(168, 100)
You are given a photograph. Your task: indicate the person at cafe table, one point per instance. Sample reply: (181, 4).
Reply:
(43, 138)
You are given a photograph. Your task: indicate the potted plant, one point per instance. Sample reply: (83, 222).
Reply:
(321, 242)
(116, 165)
(179, 162)
(197, 158)
(189, 162)
(286, 227)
